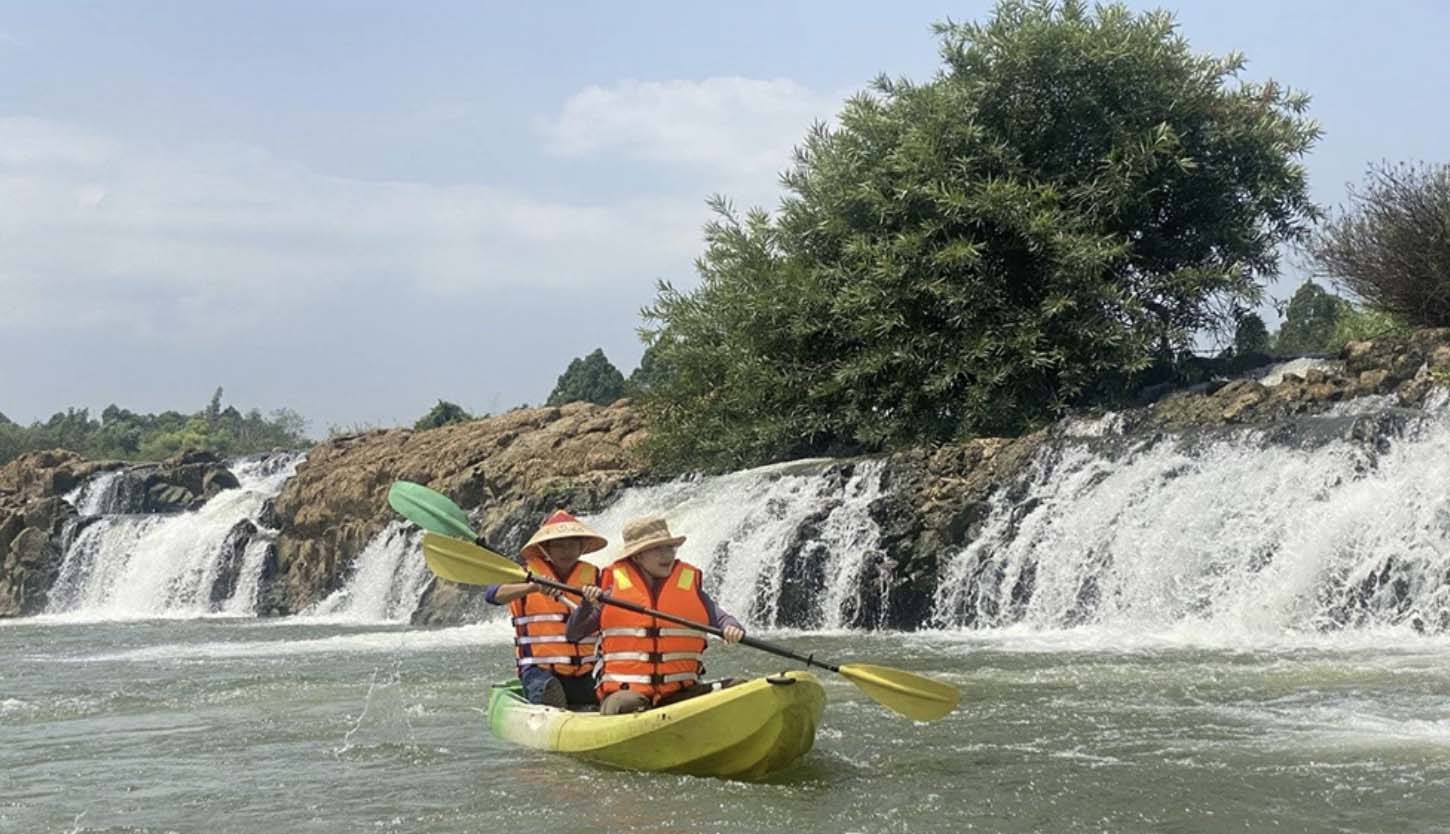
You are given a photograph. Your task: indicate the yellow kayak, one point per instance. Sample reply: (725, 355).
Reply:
(740, 732)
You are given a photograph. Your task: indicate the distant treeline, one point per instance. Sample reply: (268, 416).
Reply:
(124, 434)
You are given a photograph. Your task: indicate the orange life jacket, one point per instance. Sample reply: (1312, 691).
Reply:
(641, 653)
(539, 624)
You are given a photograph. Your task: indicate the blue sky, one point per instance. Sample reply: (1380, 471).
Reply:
(354, 209)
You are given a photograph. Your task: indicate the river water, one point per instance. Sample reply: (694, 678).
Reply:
(241, 725)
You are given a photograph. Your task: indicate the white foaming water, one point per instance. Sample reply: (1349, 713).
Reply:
(1238, 541)
(386, 582)
(1274, 374)
(97, 494)
(493, 632)
(169, 566)
(739, 527)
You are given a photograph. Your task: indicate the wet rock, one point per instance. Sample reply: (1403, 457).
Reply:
(511, 470)
(234, 550)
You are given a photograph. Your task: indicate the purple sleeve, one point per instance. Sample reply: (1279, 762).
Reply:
(583, 621)
(719, 617)
(490, 595)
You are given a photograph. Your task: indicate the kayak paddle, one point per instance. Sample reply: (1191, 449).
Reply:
(909, 694)
(430, 510)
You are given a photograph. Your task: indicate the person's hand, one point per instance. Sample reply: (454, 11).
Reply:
(732, 634)
(592, 593)
(551, 593)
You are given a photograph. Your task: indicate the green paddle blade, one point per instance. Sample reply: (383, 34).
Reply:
(460, 561)
(429, 510)
(912, 695)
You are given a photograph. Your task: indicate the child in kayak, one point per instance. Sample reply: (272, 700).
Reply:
(554, 668)
(644, 661)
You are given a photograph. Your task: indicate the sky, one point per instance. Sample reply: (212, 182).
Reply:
(354, 209)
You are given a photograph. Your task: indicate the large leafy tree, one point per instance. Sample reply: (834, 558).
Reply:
(1074, 194)
(592, 378)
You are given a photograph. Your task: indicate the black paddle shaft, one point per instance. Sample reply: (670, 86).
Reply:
(754, 643)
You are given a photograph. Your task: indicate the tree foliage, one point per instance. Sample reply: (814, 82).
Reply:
(443, 414)
(1390, 247)
(1075, 192)
(124, 434)
(1251, 337)
(1310, 321)
(591, 378)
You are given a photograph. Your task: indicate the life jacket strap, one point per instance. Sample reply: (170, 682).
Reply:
(647, 679)
(540, 618)
(560, 660)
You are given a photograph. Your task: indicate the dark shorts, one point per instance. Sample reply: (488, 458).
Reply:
(579, 691)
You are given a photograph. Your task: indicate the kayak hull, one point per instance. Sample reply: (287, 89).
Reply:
(745, 731)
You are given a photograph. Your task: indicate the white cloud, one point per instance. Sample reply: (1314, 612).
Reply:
(741, 127)
(95, 233)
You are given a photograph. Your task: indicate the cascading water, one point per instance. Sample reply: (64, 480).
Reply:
(1238, 535)
(189, 564)
(784, 532)
(385, 583)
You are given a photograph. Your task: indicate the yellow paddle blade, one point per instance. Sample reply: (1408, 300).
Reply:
(465, 562)
(912, 695)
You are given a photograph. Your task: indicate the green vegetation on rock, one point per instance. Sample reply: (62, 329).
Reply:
(592, 378)
(443, 414)
(1072, 197)
(123, 434)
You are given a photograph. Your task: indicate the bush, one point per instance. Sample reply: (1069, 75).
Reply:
(1358, 323)
(1074, 194)
(1390, 247)
(443, 414)
(591, 379)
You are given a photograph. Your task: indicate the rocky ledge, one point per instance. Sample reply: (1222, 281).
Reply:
(513, 468)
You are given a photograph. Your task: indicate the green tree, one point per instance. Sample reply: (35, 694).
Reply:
(650, 368)
(1073, 194)
(1309, 321)
(1390, 247)
(591, 378)
(1251, 337)
(443, 414)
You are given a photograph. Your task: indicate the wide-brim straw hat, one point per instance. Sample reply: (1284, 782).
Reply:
(562, 525)
(643, 533)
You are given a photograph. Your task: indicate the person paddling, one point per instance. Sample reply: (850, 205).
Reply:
(553, 667)
(645, 661)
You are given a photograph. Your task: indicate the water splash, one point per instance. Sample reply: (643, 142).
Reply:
(386, 581)
(800, 531)
(1241, 533)
(195, 563)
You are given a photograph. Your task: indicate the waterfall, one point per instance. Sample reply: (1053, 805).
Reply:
(208, 561)
(1343, 523)
(385, 582)
(779, 545)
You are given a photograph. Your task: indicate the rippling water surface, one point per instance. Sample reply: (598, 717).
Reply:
(254, 726)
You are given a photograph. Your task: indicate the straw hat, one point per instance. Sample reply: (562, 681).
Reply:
(643, 533)
(562, 525)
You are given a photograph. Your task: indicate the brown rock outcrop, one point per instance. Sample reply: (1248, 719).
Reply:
(513, 468)
(32, 517)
